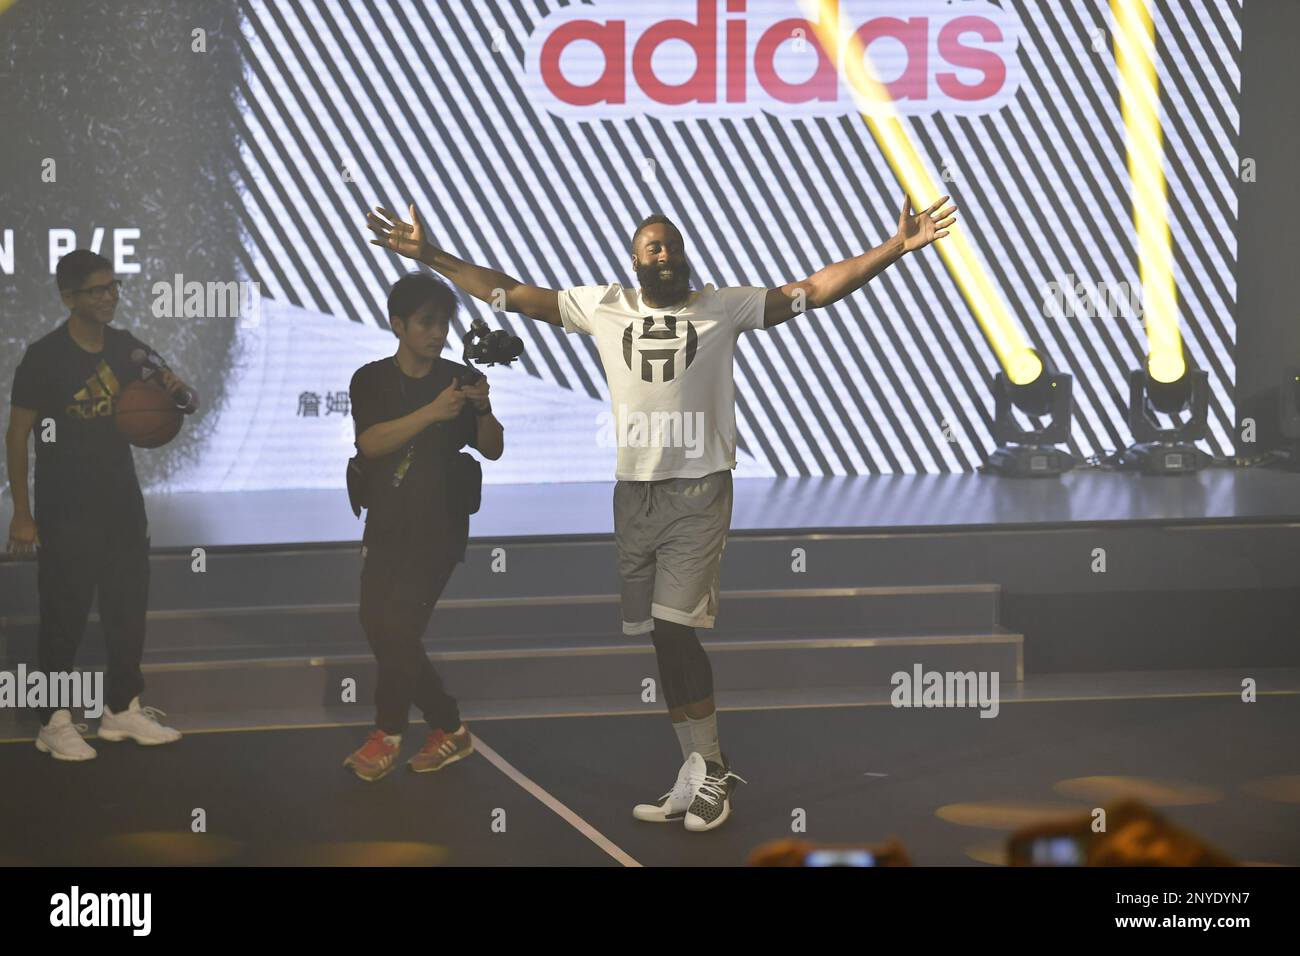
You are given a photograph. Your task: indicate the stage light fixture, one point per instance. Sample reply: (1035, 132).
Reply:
(1167, 451)
(1030, 452)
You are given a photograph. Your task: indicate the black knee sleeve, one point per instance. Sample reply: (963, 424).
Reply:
(684, 670)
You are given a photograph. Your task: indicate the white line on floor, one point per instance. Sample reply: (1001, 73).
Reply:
(569, 817)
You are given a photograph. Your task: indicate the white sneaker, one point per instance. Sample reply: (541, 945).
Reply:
(62, 738)
(672, 805)
(137, 723)
(713, 798)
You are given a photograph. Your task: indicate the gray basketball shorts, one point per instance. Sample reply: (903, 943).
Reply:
(670, 536)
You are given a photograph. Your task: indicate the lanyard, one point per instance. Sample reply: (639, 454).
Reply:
(408, 455)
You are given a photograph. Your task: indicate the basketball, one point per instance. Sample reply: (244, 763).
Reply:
(147, 415)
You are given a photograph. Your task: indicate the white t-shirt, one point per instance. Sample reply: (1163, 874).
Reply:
(672, 396)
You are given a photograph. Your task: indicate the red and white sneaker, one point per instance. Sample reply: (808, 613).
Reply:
(441, 748)
(376, 757)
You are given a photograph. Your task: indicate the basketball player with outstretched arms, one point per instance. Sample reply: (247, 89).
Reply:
(668, 349)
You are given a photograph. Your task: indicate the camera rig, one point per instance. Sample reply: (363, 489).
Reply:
(488, 347)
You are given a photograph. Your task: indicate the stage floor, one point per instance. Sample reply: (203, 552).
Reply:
(885, 503)
(950, 785)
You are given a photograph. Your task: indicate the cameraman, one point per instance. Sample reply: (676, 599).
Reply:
(412, 417)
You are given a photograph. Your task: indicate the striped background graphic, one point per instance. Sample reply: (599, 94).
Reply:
(346, 105)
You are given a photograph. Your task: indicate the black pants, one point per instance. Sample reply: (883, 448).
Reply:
(107, 553)
(399, 589)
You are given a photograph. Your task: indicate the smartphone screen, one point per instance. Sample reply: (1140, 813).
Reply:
(839, 858)
(1057, 851)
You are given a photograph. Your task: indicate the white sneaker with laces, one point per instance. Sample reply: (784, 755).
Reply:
(137, 723)
(713, 797)
(673, 804)
(62, 738)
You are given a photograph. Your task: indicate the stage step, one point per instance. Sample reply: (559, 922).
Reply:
(1024, 560)
(309, 575)
(322, 629)
(225, 690)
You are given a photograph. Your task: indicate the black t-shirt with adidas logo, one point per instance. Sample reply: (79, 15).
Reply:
(87, 469)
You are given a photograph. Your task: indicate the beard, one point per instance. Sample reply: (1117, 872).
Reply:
(665, 291)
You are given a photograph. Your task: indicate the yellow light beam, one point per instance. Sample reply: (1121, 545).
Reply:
(1139, 97)
(1002, 331)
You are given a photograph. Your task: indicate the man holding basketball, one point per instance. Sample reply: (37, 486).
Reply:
(668, 350)
(90, 531)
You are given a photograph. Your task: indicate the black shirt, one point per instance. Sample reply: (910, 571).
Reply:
(87, 470)
(415, 515)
